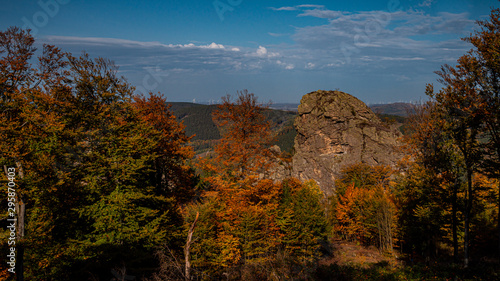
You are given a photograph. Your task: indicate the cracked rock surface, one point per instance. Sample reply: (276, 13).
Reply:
(335, 130)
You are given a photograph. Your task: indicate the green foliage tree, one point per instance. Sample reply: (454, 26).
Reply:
(467, 122)
(437, 170)
(484, 69)
(101, 176)
(301, 219)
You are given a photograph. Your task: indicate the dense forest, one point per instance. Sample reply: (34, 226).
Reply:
(100, 183)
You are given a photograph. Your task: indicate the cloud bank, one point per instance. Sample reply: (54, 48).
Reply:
(376, 43)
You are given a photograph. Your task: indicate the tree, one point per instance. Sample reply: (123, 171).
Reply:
(171, 173)
(246, 219)
(101, 176)
(302, 224)
(29, 126)
(438, 165)
(459, 134)
(246, 136)
(245, 202)
(485, 69)
(464, 114)
(363, 209)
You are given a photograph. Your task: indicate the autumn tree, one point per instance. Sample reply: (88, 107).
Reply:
(246, 219)
(463, 110)
(483, 65)
(425, 216)
(102, 176)
(470, 104)
(246, 136)
(171, 173)
(467, 99)
(30, 126)
(245, 202)
(435, 178)
(362, 209)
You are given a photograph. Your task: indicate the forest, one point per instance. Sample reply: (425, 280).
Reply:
(100, 183)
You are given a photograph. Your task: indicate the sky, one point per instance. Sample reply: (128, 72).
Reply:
(379, 51)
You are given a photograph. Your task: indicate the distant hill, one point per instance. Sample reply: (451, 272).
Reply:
(197, 118)
(285, 106)
(397, 108)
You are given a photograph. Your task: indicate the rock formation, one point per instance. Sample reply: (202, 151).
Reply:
(335, 130)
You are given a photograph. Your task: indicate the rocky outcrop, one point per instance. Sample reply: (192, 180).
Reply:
(279, 169)
(335, 130)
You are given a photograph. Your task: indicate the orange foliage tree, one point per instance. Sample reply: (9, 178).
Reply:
(245, 200)
(438, 164)
(363, 208)
(171, 172)
(243, 150)
(246, 219)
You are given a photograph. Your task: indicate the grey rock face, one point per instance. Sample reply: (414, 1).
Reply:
(336, 130)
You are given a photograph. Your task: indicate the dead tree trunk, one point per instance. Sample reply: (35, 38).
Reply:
(186, 248)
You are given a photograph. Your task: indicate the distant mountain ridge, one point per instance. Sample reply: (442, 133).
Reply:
(397, 108)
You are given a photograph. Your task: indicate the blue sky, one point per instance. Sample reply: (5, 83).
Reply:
(379, 51)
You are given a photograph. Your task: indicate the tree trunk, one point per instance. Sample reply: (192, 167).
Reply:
(498, 220)
(468, 208)
(20, 209)
(454, 221)
(186, 248)
(498, 178)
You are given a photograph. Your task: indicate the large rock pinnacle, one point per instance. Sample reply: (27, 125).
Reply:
(335, 130)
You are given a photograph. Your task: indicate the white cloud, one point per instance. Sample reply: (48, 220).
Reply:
(101, 41)
(321, 13)
(372, 43)
(284, 9)
(287, 66)
(261, 51)
(400, 58)
(378, 29)
(310, 65)
(213, 46)
(310, 6)
(402, 78)
(137, 56)
(277, 34)
(97, 41)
